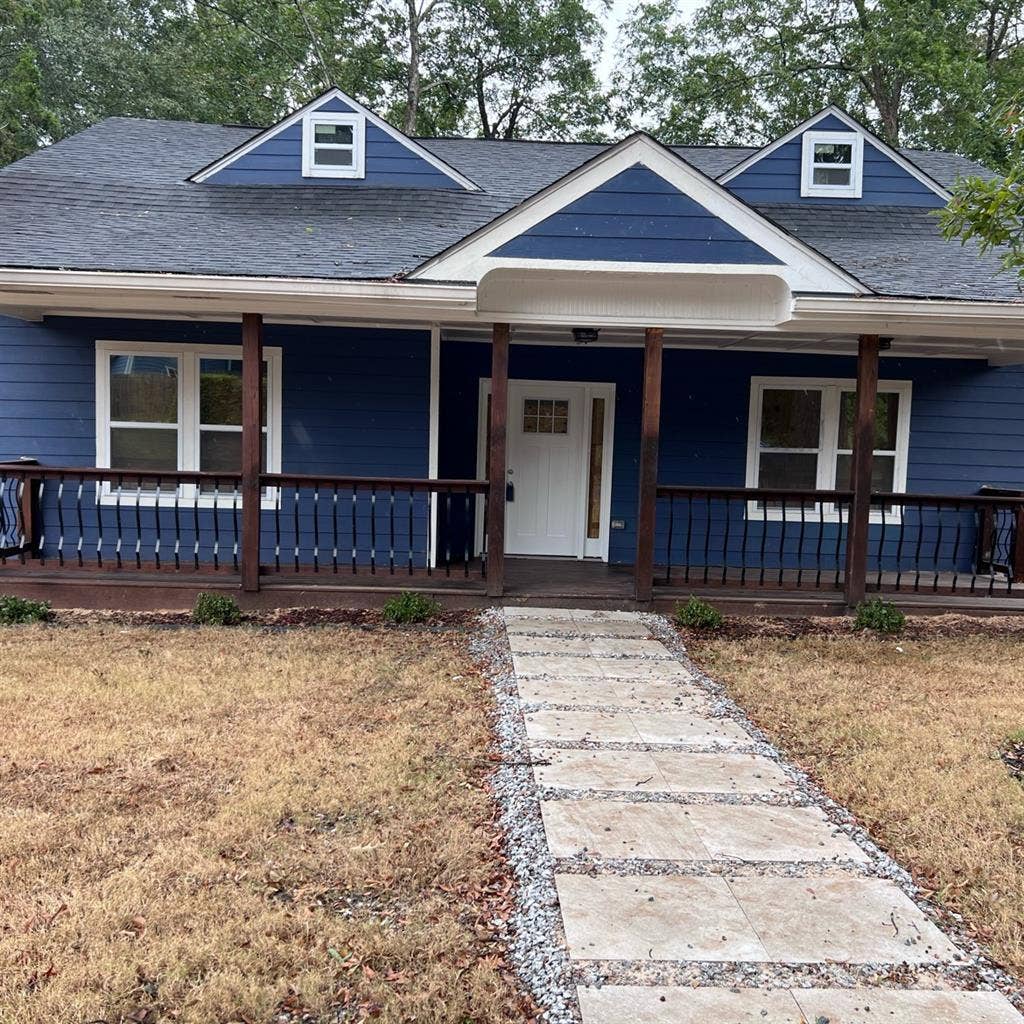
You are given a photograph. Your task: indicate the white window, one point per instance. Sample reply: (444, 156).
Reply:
(833, 164)
(801, 436)
(179, 407)
(333, 145)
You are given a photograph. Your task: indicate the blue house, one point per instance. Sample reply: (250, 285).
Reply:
(322, 361)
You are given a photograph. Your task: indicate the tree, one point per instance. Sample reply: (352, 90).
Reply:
(920, 72)
(991, 211)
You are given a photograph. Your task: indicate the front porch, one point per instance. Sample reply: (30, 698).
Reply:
(658, 510)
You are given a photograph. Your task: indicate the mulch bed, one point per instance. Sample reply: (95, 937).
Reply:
(918, 627)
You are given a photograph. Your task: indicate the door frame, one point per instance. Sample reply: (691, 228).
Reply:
(591, 389)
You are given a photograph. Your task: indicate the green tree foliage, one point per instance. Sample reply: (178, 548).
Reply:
(990, 212)
(921, 72)
(430, 66)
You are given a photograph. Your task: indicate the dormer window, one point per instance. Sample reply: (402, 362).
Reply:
(333, 145)
(833, 164)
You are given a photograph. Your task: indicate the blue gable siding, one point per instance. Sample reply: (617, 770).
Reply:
(776, 177)
(637, 216)
(278, 161)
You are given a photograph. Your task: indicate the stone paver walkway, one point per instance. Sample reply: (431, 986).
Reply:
(697, 881)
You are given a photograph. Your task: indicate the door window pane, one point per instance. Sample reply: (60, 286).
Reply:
(545, 416)
(143, 448)
(144, 389)
(596, 465)
(790, 418)
(887, 410)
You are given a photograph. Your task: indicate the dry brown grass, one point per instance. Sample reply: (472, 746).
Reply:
(907, 735)
(214, 825)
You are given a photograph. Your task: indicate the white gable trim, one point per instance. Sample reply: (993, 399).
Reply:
(802, 267)
(229, 158)
(883, 147)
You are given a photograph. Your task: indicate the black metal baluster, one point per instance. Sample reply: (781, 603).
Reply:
(278, 498)
(764, 540)
(917, 548)
(707, 536)
(97, 498)
(956, 547)
(234, 523)
(448, 532)
(412, 541)
(177, 525)
(725, 542)
(216, 524)
(840, 570)
(819, 507)
(467, 501)
(196, 523)
(391, 530)
(334, 529)
(316, 526)
(373, 529)
(800, 545)
(296, 499)
(689, 534)
(156, 525)
(80, 545)
(881, 549)
(60, 520)
(117, 519)
(671, 525)
(938, 548)
(899, 546)
(782, 543)
(355, 532)
(745, 513)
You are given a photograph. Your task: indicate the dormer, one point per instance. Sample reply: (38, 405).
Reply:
(831, 159)
(333, 141)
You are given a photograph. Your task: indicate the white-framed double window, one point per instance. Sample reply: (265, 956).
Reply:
(801, 438)
(832, 164)
(178, 407)
(333, 145)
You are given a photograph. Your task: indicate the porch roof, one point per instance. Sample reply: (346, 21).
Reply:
(115, 198)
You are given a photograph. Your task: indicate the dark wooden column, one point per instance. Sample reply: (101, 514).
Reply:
(860, 471)
(650, 421)
(252, 444)
(496, 462)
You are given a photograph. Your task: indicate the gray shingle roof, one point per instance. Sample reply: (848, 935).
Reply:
(116, 197)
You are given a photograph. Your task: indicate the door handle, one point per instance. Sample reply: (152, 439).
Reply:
(510, 491)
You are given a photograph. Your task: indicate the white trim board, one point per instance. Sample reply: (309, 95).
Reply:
(833, 111)
(313, 105)
(801, 267)
(592, 389)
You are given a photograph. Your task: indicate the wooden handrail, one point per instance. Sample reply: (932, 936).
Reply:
(751, 493)
(406, 483)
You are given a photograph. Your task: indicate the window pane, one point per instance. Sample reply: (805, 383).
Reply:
(833, 153)
(333, 134)
(883, 473)
(787, 470)
(832, 175)
(220, 392)
(135, 448)
(887, 411)
(790, 418)
(220, 451)
(144, 389)
(333, 157)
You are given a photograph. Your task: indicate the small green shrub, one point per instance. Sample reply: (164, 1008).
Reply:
(881, 616)
(15, 611)
(698, 614)
(410, 607)
(216, 610)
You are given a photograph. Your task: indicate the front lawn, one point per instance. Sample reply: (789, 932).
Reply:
(907, 734)
(239, 825)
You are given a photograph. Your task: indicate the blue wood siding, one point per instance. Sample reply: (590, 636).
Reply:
(637, 216)
(278, 161)
(967, 423)
(354, 402)
(776, 177)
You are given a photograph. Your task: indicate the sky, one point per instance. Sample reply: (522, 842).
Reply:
(616, 13)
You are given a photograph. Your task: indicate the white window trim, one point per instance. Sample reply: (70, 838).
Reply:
(828, 446)
(310, 169)
(852, 190)
(188, 356)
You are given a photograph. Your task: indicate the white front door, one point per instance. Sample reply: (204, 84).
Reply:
(546, 435)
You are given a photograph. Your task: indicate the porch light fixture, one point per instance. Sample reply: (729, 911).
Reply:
(584, 335)
(884, 344)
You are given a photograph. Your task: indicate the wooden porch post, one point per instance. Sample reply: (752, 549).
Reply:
(650, 420)
(252, 438)
(860, 471)
(497, 462)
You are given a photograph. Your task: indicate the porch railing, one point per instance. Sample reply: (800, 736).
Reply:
(750, 537)
(103, 519)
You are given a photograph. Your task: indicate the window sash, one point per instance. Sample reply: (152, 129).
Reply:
(188, 426)
(314, 168)
(829, 451)
(849, 189)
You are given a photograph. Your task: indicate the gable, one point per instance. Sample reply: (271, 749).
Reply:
(636, 216)
(389, 158)
(639, 208)
(774, 175)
